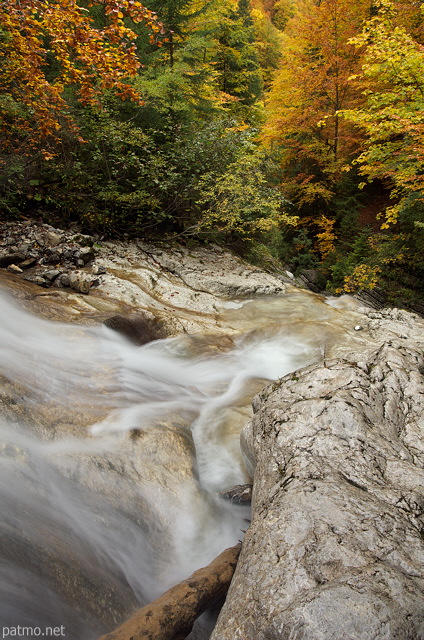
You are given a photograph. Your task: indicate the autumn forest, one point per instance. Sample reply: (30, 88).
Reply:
(291, 131)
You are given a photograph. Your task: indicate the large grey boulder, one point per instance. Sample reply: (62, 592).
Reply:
(336, 547)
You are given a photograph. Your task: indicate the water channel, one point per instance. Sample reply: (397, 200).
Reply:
(112, 455)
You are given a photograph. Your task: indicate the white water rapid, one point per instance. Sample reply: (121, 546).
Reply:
(112, 456)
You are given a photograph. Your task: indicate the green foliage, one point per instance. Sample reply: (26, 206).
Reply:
(392, 81)
(241, 202)
(268, 45)
(282, 12)
(184, 92)
(187, 160)
(175, 14)
(12, 187)
(127, 179)
(382, 259)
(138, 167)
(348, 257)
(236, 56)
(297, 251)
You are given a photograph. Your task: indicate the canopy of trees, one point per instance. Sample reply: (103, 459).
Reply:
(291, 130)
(49, 47)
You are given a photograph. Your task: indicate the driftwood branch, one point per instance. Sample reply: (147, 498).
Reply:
(172, 615)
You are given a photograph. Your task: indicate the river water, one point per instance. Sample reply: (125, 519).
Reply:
(112, 456)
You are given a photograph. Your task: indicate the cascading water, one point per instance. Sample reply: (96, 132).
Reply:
(112, 456)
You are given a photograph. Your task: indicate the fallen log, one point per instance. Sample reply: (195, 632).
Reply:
(172, 615)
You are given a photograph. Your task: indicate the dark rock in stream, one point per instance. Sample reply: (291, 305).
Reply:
(28, 263)
(139, 329)
(7, 258)
(240, 494)
(51, 274)
(36, 278)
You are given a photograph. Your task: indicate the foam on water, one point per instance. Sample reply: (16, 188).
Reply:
(51, 520)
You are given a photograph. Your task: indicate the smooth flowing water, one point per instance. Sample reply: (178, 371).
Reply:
(112, 457)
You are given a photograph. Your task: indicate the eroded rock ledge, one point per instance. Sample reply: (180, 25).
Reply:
(336, 545)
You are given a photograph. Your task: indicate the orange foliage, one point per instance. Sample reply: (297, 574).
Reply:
(47, 46)
(410, 16)
(308, 92)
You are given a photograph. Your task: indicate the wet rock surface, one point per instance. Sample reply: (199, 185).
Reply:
(335, 549)
(240, 494)
(184, 288)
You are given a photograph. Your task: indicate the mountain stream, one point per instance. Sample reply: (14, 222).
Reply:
(112, 455)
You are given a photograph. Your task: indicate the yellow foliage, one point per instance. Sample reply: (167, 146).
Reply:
(363, 277)
(326, 238)
(391, 214)
(392, 116)
(310, 192)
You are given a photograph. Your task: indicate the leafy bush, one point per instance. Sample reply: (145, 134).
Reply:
(241, 201)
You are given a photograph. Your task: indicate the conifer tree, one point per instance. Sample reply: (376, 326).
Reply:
(236, 58)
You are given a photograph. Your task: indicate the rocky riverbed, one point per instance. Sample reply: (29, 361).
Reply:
(335, 547)
(181, 286)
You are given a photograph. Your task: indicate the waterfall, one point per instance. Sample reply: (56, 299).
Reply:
(112, 456)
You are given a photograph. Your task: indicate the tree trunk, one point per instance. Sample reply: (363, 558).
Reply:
(172, 615)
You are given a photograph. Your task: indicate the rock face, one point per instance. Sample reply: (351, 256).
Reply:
(185, 288)
(49, 257)
(335, 549)
(217, 272)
